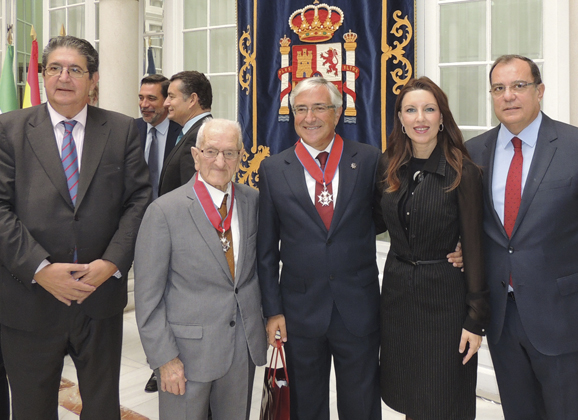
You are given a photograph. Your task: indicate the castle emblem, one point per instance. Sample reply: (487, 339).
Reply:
(316, 24)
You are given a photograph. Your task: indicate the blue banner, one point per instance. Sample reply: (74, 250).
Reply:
(366, 48)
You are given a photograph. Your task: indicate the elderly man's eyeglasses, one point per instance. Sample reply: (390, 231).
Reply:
(227, 154)
(316, 109)
(73, 71)
(517, 87)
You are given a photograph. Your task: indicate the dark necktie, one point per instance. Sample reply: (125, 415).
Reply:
(229, 236)
(153, 162)
(325, 211)
(513, 195)
(70, 160)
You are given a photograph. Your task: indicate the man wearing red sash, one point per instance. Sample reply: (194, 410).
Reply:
(316, 199)
(196, 288)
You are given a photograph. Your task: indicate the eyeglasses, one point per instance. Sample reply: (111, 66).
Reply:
(73, 71)
(316, 109)
(517, 87)
(227, 154)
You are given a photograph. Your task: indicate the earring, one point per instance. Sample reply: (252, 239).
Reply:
(441, 127)
(403, 129)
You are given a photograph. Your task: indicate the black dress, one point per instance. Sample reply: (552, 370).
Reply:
(425, 306)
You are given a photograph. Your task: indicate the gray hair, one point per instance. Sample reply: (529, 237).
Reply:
(82, 46)
(219, 123)
(312, 83)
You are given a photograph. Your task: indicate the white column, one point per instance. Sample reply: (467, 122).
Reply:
(118, 51)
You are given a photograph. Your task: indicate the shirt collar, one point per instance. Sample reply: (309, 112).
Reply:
(216, 194)
(528, 135)
(56, 118)
(161, 127)
(192, 122)
(314, 152)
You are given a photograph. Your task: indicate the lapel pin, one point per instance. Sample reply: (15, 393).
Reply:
(354, 166)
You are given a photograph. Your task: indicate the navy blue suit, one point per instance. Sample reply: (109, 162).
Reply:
(541, 256)
(328, 288)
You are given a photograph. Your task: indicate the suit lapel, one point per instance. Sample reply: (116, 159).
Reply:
(243, 216)
(545, 150)
(40, 134)
(96, 136)
(348, 170)
(295, 176)
(207, 231)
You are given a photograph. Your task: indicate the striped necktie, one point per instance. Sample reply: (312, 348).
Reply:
(70, 160)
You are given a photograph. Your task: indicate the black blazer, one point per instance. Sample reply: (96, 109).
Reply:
(179, 165)
(172, 134)
(40, 222)
(542, 252)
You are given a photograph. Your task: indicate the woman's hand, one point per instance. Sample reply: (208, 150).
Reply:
(475, 342)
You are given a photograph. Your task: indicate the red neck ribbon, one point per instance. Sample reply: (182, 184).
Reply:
(211, 211)
(323, 177)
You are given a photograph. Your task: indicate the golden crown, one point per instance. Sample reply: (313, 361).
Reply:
(350, 36)
(316, 23)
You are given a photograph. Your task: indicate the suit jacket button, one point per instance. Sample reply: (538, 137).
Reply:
(76, 218)
(236, 290)
(511, 250)
(503, 284)
(232, 323)
(329, 242)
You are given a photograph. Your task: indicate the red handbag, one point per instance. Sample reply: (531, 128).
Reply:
(275, 401)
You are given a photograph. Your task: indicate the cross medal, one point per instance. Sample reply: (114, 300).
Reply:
(325, 198)
(225, 242)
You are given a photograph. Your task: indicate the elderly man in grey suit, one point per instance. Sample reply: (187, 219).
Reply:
(198, 303)
(531, 242)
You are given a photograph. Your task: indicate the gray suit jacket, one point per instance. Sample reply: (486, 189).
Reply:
(39, 221)
(186, 302)
(542, 252)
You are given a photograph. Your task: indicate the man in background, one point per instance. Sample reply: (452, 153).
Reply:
(189, 104)
(158, 134)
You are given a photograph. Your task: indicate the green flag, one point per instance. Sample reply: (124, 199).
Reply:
(8, 97)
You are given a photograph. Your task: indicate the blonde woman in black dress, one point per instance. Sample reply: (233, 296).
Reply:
(433, 315)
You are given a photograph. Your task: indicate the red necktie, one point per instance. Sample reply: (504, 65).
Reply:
(325, 211)
(513, 195)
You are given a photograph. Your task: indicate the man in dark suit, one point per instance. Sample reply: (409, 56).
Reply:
(531, 238)
(157, 133)
(189, 103)
(325, 304)
(73, 189)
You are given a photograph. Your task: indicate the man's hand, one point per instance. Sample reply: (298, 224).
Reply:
(475, 344)
(59, 280)
(173, 377)
(96, 273)
(456, 258)
(276, 324)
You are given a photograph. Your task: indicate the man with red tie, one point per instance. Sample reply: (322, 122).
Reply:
(316, 198)
(531, 226)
